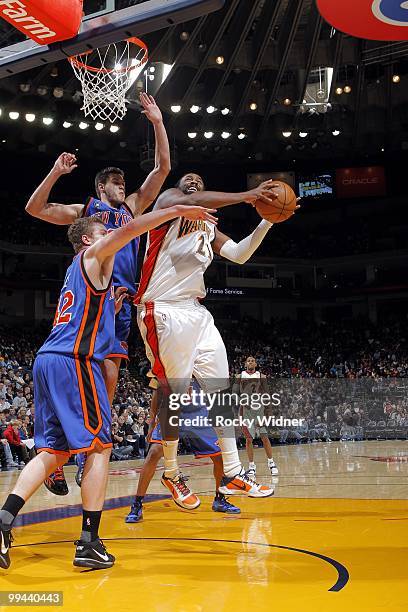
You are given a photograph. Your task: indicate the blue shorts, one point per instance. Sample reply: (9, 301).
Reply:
(72, 410)
(122, 329)
(203, 440)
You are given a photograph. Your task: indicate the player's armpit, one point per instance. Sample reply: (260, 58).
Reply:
(170, 197)
(219, 241)
(140, 200)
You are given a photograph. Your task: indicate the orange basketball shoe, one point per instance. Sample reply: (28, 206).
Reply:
(182, 495)
(244, 484)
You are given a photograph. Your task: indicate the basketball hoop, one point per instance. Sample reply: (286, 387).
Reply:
(106, 74)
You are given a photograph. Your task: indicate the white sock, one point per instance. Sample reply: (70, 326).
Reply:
(170, 458)
(252, 465)
(271, 461)
(228, 446)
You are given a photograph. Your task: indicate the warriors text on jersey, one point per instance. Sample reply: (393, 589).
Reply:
(84, 323)
(250, 383)
(178, 254)
(125, 267)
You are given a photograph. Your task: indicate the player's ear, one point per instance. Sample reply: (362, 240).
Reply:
(86, 240)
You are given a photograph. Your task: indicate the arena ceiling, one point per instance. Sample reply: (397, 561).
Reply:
(260, 59)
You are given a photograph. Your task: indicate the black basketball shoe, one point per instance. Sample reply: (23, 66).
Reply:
(5, 542)
(92, 554)
(56, 483)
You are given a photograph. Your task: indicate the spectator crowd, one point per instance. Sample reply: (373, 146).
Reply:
(344, 382)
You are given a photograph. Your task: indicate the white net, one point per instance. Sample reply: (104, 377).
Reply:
(106, 75)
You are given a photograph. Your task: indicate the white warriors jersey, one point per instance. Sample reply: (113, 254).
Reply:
(250, 383)
(177, 255)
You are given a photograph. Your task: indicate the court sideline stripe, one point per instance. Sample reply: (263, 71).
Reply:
(54, 514)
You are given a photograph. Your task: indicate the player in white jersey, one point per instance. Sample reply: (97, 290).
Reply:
(179, 333)
(252, 382)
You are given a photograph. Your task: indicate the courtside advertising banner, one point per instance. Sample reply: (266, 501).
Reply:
(360, 182)
(370, 19)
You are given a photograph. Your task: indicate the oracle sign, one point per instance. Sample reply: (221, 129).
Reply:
(370, 19)
(360, 182)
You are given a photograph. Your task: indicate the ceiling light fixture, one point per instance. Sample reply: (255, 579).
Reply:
(175, 108)
(194, 109)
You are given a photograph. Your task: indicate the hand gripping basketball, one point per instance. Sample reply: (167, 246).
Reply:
(282, 207)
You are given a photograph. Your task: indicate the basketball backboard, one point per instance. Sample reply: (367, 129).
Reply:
(105, 21)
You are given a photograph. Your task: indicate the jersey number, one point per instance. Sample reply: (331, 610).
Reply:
(203, 246)
(63, 316)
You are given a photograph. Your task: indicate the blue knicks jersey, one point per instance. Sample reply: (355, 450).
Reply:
(84, 324)
(125, 267)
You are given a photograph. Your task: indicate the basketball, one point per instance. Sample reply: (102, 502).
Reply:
(281, 209)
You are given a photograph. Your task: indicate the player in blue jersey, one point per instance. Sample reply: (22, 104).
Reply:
(115, 210)
(203, 443)
(73, 412)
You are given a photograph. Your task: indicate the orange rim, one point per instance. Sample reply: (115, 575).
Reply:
(74, 59)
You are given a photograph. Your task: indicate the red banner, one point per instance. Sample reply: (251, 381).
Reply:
(360, 182)
(44, 21)
(370, 19)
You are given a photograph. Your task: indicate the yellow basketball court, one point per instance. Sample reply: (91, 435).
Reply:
(332, 538)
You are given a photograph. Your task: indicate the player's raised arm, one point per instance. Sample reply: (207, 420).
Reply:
(192, 193)
(139, 201)
(113, 242)
(38, 205)
(240, 252)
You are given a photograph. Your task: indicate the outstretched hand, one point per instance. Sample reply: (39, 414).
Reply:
(150, 108)
(263, 192)
(197, 212)
(66, 163)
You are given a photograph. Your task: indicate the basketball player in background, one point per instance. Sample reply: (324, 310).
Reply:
(203, 443)
(180, 336)
(115, 209)
(252, 382)
(73, 412)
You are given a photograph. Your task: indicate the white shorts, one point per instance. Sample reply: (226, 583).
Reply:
(182, 341)
(254, 430)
